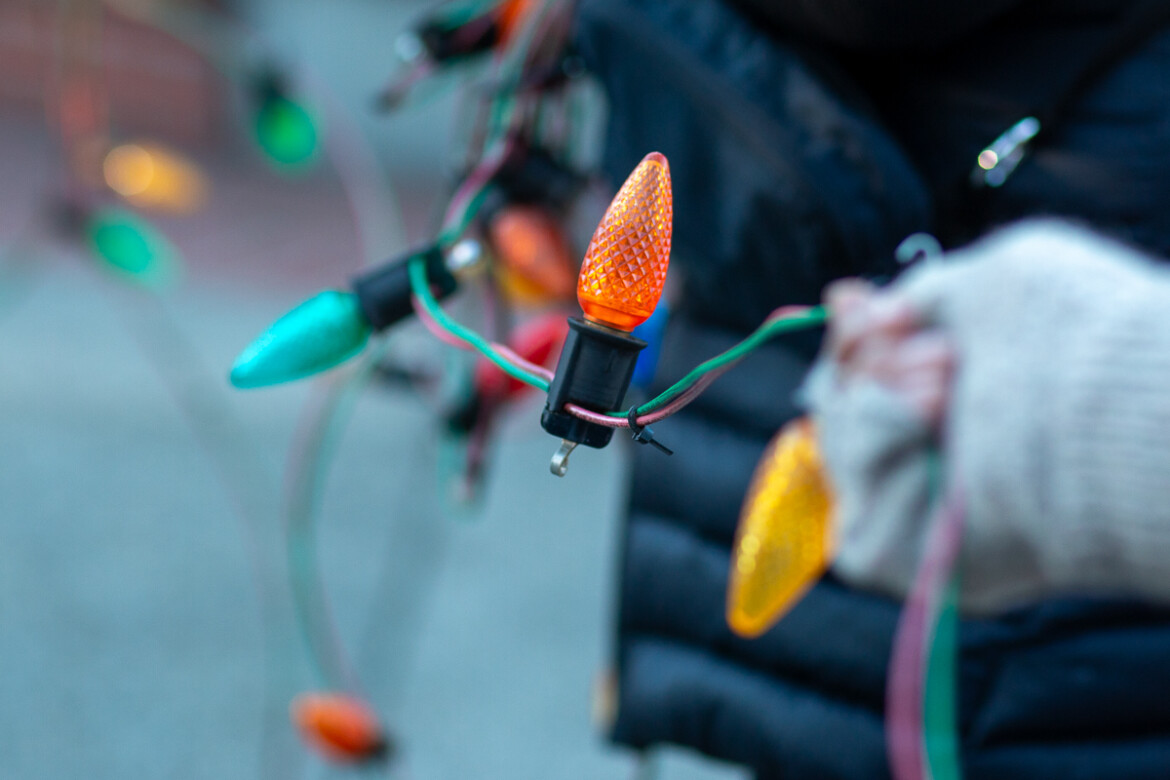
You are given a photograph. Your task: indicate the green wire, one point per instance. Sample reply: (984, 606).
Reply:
(500, 118)
(418, 282)
(771, 328)
(501, 114)
(940, 732)
(419, 286)
(939, 697)
(451, 232)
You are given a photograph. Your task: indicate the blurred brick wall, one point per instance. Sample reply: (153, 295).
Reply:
(156, 86)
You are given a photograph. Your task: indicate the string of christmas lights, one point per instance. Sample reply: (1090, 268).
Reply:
(620, 283)
(787, 319)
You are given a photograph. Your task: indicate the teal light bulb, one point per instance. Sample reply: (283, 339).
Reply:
(131, 247)
(286, 132)
(322, 332)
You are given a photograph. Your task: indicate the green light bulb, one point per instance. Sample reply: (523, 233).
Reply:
(286, 132)
(322, 332)
(131, 247)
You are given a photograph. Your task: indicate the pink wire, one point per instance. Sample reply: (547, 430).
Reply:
(435, 328)
(550, 31)
(684, 398)
(451, 339)
(785, 312)
(490, 165)
(479, 178)
(397, 91)
(906, 681)
(508, 354)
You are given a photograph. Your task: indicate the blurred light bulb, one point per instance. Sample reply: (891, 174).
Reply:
(533, 252)
(652, 331)
(285, 131)
(151, 177)
(510, 16)
(784, 542)
(625, 266)
(130, 246)
(333, 326)
(322, 332)
(538, 341)
(341, 727)
(129, 169)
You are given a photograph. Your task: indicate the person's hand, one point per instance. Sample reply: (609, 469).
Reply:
(876, 335)
(1039, 362)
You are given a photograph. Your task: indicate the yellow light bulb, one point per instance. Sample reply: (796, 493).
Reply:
(625, 266)
(785, 540)
(151, 177)
(129, 170)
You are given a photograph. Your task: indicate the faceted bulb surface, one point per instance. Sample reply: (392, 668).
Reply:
(785, 537)
(625, 266)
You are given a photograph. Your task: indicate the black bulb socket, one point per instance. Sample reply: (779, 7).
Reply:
(384, 292)
(532, 175)
(445, 42)
(594, 372)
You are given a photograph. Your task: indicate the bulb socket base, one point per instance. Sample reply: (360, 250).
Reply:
(384, 292)
(531, 176)
(594, 372)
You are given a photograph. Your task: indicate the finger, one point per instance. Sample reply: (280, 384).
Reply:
(917, 368)
(921, 371)
(927, 396)
(892, 314)
(885, 356)
(843, 294)
(874, 355)
(846, 300)
(881, 315)
(926, 349)
(910, 364)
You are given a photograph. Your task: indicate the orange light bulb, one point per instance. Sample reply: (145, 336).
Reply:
(510, 18)
(536, 262)
(625, 266)
(341, 727)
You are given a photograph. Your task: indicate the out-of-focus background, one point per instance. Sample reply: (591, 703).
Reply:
(145, 625)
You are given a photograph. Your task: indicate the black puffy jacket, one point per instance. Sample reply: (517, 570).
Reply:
(806, 138)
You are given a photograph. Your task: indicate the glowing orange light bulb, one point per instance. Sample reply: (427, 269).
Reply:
(625, 266)
(785, 537)
(342, 727)
(536, 264)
